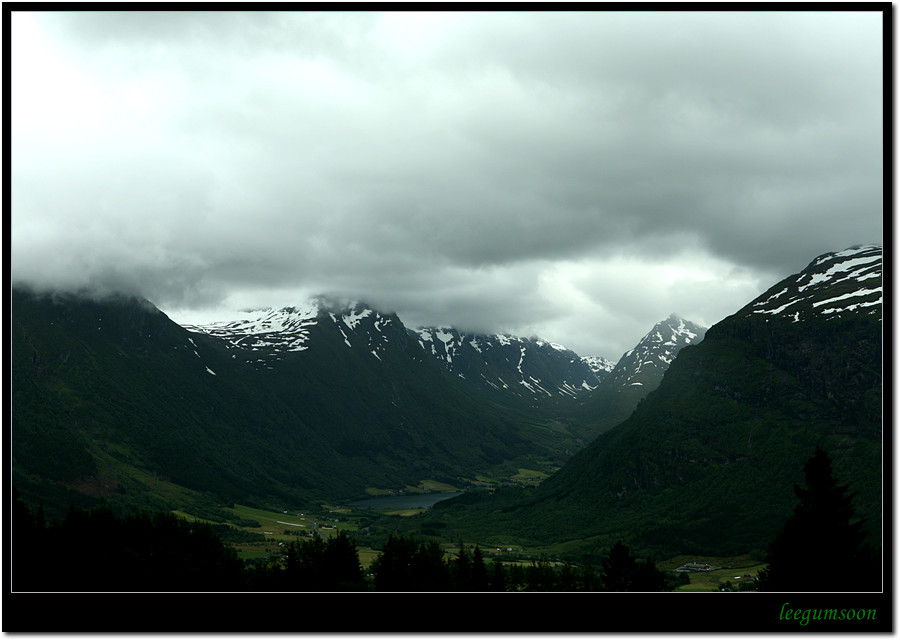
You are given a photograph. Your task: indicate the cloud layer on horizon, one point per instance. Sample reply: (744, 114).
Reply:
(577, 175)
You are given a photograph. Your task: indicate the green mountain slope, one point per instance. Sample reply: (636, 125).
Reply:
(385, 408)
(116, 390)
(110, 398)
(706, 464)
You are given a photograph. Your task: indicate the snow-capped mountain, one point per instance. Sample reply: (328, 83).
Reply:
(720, 443)
(637, 373)
(599, 365)
(647, 362)
(523, 368)
(833, 285)
(519, 368)
(267, 330)
(272, 333)
(289, 403)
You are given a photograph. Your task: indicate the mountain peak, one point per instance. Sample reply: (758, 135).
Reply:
(656, 350)
(834, 284)
(288, 328)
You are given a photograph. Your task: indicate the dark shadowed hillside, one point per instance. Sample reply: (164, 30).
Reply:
(110, 398)
(707, 463)
(638, 372)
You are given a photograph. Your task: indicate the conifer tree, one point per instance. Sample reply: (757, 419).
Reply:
(479, 571)
(429, 569)
(29, 545)
(498, 576)
(618, 569)
(622, 572)
(515, 577)
(820, 547)
(567, 580)
(463, 570)
(343, 571)
(392, 569)
(648, 578)
(304, 564)
(540, 575)
(588, 578)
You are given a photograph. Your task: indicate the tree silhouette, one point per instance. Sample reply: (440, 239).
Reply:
(540, 575)
(648, 578)
(588, 580)
(304, 565)
(622, 572)
(407, 565)
(498, 576)
(618, 569)
(820, 547)
(28, 564)
(429, 569)
(343, 571)
(462, 570)
(393, 567)
(479, 575)
(97, 550)
(567, 580)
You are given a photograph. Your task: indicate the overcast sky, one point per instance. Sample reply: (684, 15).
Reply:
(577, 176)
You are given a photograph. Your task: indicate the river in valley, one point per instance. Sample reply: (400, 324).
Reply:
(405, 501)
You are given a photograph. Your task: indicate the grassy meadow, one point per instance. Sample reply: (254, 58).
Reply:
(731, 570)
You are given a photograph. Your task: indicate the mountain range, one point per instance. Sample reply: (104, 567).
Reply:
(525, 371)
(326, 399)
(529, 369)
(707, 462)
(690, 442)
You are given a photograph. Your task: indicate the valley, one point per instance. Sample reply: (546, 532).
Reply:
(272, 428)
(273, 531)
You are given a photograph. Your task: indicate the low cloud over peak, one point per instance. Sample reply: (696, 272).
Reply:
(572, 174)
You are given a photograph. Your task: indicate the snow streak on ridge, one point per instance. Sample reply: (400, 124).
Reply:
(656, 351)
(833, 284)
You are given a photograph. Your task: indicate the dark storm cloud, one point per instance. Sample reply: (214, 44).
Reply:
(511, 171)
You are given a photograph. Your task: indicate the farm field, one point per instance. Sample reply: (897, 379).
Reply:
(731, 570)
(274, 525)
(278, 529)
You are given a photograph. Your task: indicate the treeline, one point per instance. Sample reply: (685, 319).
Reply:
(407, 564)
(95, 550)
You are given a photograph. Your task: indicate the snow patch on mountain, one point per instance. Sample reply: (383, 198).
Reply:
(285, 329)
(833, 284)
(650, 358)
(277, 331)
(510, 363)
(598, 364)
(352, 318)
